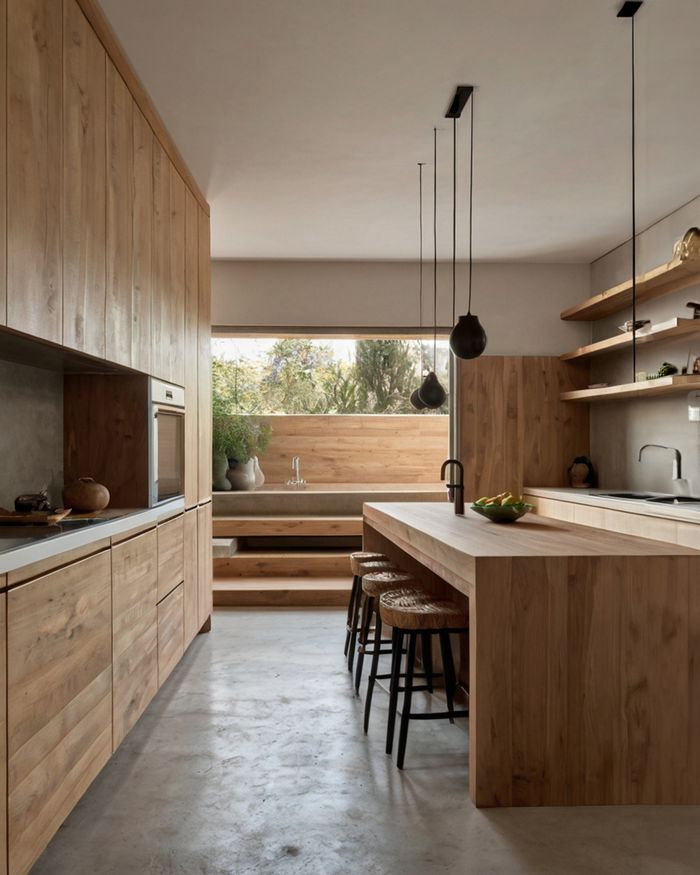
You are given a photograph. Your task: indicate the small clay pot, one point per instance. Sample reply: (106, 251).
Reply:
(85, 495)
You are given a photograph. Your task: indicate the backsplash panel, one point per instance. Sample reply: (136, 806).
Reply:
(31, 432)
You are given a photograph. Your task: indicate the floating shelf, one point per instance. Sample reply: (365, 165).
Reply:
(661, 386)
(676, 274)
(672, 328)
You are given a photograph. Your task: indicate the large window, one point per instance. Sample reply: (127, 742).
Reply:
(302, 375)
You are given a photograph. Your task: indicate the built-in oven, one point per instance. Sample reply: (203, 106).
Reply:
(167, 442)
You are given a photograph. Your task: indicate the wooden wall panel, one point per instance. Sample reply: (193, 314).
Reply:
(358, 448)
(59, 676)
(204, 364)
(34, 152)
(84, 188)
(191, 349)
(206, 567)
(191, 583)
(120, 173)
(513, 430)
(142, 276)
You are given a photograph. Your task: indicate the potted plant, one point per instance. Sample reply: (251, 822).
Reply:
(238, 439)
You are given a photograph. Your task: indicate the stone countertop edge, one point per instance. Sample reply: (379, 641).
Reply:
(51, 547)
(596, 498)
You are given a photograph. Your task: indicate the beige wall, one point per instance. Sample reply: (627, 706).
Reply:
(519, 304)
(618, 429)
(357, 449)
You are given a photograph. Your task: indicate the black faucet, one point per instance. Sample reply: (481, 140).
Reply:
(455, 491)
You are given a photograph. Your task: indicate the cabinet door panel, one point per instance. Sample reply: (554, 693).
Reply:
(34, 137)
(191, 349)
(191, 582)
(170, 633)
(84, 188)
(171, 557)
(120, 172)
(142, 242)
(3, 179)
(204, 552)
(59, 694)
(134, 630)
(161, 263)
(3, 727)
(204, 360)
(176, 292)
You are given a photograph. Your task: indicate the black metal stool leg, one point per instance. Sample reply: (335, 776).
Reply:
(426, 645)
(373, 667)
(407, 696)
(396, 653)
(367, 611)
(351, 611)
(448, 668)
(355, 623)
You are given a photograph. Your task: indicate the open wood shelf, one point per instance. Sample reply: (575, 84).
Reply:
(672, 328)
(676, 274)
(661, 386)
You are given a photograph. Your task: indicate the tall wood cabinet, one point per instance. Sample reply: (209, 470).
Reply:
(3, 176)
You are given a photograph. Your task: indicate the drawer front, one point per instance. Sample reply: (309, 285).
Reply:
(171, 557)
(170, 633)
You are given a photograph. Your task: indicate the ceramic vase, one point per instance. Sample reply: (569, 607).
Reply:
(259, 476)
(241, 475)
(219, 467)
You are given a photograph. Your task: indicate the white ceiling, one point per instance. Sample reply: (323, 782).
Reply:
(303, 120)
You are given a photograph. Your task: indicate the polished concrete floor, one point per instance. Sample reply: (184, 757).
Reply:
(252, 760)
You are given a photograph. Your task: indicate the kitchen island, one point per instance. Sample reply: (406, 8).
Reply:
(583, 654)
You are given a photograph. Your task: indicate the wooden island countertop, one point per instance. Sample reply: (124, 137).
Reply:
(583, 648)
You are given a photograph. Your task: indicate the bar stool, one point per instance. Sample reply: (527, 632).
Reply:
(373, 584)
(363, 567)
(410, 616)
(355, 559)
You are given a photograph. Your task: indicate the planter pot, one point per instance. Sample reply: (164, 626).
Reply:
(219, 480)
(259, 476)
(241, 475)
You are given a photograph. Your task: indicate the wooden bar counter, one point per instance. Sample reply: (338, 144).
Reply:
(584, 654)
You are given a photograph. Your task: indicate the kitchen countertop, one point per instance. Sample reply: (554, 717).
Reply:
(596, 498)
(35, 543)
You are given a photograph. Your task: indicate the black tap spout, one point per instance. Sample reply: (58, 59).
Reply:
(455, 491)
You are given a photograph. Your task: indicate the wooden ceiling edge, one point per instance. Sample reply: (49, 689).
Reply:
(349, 332)
(94, 14)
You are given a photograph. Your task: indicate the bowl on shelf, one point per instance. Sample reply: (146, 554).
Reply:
(503, 513)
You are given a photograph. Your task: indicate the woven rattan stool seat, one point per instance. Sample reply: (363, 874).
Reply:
(378, 582)
(364, 556)
(409, 609)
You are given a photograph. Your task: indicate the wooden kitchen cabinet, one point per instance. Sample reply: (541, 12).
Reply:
(171, 556)
(120, 206)
(59, 699)
(204, 552)
(171, 640)
(134, 630)
(34, 137)
(3, 166)
(84, 189)
(3, 728)
(191, 350)
(175, 298)
(142, 243)
(204, 375)
(191, 578)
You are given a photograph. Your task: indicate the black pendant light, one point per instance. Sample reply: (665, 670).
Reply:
(468, 338)
(416, 402)
(431, 392)
(628, 10)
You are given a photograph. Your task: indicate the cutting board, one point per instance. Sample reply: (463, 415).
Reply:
(33, 517)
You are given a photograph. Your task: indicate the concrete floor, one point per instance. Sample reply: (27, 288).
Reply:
(252, 760)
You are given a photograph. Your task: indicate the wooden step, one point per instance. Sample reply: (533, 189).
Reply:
(251, 526)
(301, 563)
(282, 592)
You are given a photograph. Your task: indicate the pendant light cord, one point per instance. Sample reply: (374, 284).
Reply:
(634, 213)
(435, 250)
(471, 198)
(420, 258)
(454, 220)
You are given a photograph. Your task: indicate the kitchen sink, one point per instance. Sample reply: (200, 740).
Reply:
(675, 499)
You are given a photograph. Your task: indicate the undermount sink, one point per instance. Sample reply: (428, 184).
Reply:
(675, 499)
(629, 496)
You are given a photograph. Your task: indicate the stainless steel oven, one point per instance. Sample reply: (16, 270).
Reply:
(167, 442)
